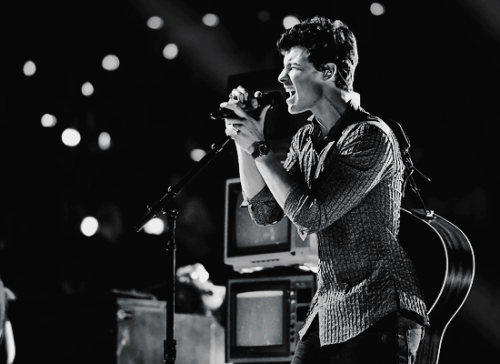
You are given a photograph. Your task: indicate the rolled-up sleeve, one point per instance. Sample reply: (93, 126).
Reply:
(352, 168)
(263, 208)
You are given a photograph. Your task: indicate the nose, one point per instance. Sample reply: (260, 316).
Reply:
(283, 76)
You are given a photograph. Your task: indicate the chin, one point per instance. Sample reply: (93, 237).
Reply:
(293, 109)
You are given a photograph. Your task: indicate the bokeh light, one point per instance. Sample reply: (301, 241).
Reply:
(264, 15)
(29, 68)
(87, 89)
(197, 154)
(155, 22)
(104, 141)
(210, 20)
(377, 9)
(170, 51)
(110, 62)
(48, 120)
(71, 137)
(89, 226)
(289, 21)
(155, 226)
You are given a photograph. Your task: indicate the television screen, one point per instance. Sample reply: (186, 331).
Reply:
(265, 315)
(248, 246)
(260, 318)
(249, 237)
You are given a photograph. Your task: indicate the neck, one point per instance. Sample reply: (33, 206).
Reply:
(330, 110)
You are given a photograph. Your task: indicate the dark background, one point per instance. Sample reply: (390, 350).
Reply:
(432, 65)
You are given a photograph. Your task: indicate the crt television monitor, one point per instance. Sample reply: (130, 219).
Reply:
(249, 247)
(264, 316)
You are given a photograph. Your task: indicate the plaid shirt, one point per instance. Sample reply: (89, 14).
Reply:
(348, 191)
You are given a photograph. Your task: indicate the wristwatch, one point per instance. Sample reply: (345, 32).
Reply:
(260, 149)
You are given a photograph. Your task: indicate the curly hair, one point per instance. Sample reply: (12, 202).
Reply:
(325, 41)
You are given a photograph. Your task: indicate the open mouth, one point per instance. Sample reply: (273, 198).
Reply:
(291, 92)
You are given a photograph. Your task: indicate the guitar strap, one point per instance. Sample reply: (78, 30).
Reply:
(404, 146)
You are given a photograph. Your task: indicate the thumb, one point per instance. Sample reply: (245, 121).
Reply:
(263, 112)
(235, 108)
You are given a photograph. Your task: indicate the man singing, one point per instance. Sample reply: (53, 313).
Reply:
(342, 180)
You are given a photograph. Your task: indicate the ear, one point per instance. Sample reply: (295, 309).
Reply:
(328, 71)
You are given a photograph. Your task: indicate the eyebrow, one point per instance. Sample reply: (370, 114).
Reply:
(288, 64)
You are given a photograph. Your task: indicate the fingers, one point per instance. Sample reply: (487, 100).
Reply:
(238, 97)
(232, 131)
(239, 94)
(235, 108)
(233, 126)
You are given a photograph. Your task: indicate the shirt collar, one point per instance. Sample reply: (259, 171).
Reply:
(349, 116)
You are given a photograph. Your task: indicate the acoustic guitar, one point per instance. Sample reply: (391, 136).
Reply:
(445, 265)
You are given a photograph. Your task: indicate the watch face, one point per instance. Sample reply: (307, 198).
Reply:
(263, 148)
(260, 149)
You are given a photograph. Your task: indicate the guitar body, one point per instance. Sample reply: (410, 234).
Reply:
(445, 265)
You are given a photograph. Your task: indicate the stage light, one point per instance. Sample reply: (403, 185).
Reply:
(289, 21)
(197, 154)
(377, 9)
(170, 51)
(155, 22)
(104, 141)
(48, 120)
(89, 226)
(110, 62)
(71, 137)
(87, 89)
(29, 68)
(155, 226)
(210, 20)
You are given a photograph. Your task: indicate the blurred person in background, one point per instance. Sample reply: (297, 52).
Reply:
(7, 343)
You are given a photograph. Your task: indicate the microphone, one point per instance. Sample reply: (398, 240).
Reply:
(272, 98)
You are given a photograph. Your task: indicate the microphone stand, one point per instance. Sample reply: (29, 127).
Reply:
(169, 345)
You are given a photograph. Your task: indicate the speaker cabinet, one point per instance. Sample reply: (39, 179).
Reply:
(113, 330)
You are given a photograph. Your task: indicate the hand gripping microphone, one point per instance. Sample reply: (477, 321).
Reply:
(272, 98)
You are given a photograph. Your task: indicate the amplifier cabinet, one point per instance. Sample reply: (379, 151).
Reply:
(111, 330)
